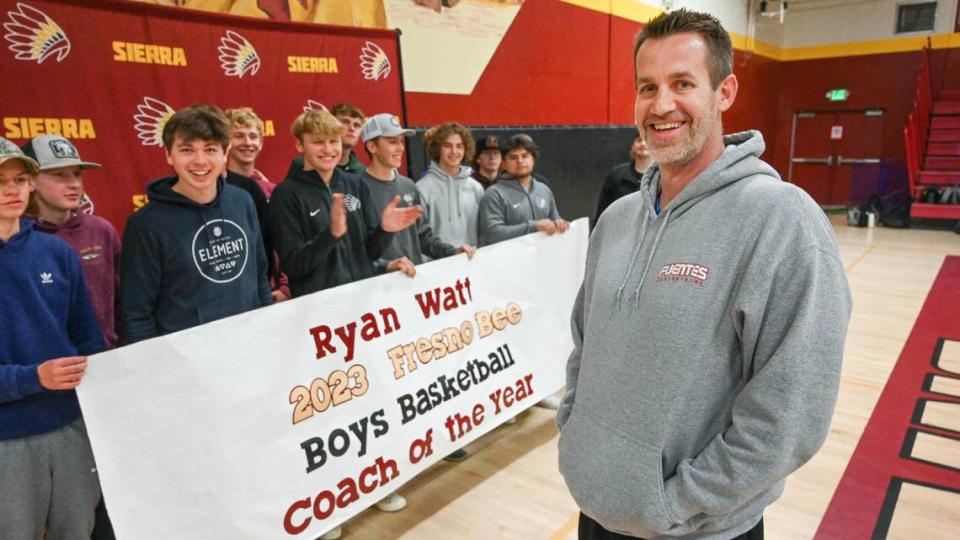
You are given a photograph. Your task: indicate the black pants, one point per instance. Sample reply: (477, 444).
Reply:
(591, 530)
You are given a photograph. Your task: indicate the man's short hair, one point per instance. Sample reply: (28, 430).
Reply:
(316, 123)
(197, 122)
(347, 109)
(708, 27)
(442, 133)
(521, 140)
(244, 117)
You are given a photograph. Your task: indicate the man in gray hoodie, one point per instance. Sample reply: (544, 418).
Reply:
(709, 330)
(519, 204)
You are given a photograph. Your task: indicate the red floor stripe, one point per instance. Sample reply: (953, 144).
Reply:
(863, 503)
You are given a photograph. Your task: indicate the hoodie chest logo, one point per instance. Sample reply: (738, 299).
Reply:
(46, 278)
(220, 250)
(693, 273)
(352, 203)
(541, 202)
(408, 198)
(91, 253)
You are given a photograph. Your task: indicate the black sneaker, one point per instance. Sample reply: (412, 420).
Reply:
(457, 455)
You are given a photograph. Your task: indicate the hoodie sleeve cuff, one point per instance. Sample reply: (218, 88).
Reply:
(28, 380)
(531, 226)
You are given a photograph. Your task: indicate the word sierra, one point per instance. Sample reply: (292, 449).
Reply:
(145, 53)
(27, 128)
(312, 64)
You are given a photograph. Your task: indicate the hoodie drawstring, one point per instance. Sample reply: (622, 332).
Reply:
(653, 249)
(633, 260)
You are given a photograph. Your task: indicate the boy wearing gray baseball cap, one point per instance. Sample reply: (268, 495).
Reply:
(57, 203)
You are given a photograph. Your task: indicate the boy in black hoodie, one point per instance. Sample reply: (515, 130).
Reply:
(323, 222)
(191, 255)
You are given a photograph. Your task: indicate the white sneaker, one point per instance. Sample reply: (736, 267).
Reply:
(550, 402)
(393, 502)
(332, 534)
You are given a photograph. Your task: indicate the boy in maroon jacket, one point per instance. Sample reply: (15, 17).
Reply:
(55, 202)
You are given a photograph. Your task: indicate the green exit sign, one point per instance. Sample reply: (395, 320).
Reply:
(839, 94)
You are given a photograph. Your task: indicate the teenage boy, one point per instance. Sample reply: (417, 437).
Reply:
(246, 142)
(351, 117)
(50, 485)
(246, 136)
(383, 137)
(486, 164)
(191, 255)
(450, 196)
(324, 224)
(518, 204)
(55, 202)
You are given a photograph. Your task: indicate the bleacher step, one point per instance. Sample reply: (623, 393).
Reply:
(944, 135)
(939, 178)
(943, 149)
(938, 163)
(946, 108)
(945, 122)
(935, 211)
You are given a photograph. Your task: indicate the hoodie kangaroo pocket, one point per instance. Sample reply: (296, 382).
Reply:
(614, 478)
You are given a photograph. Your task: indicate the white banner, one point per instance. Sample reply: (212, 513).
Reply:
(287, 421)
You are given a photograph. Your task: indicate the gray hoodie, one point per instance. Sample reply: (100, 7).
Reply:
(507, 210)
(707, 350)
(450, 204)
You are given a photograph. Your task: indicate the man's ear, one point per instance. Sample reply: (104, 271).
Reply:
(727, 92)
(166, 152)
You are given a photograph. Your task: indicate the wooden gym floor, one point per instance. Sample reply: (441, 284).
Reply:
(510, 486)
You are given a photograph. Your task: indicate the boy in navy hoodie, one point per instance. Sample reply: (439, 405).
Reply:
(50, 485)
(191, 255)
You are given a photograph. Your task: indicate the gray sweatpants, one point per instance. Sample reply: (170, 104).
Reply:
(48, 485)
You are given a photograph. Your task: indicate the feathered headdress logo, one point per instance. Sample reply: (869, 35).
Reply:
(374, 62)
(33, 35)
(237, 55)
(151, 116)
(314, 105)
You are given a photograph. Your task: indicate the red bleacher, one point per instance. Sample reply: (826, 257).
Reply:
(932, 139)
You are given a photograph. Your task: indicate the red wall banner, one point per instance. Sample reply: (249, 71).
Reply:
(107, 75)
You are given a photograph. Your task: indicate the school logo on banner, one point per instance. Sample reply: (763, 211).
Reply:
(314, 105)
(374, 62)
(151, 116)
(237, 56)
(33, 35)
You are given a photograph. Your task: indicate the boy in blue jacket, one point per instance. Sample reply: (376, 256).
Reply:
(50, 484)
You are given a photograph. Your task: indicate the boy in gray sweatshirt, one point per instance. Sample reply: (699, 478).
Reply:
(518, 204)
(709, 330)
